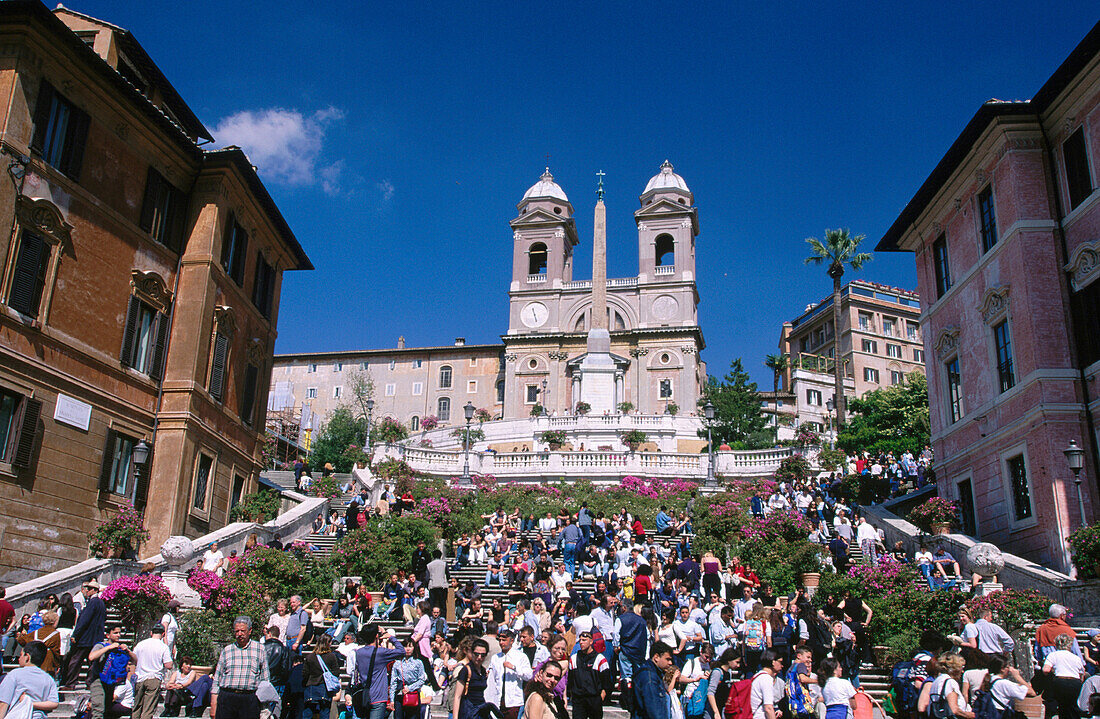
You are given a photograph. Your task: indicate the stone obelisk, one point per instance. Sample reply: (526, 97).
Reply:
(597, 369)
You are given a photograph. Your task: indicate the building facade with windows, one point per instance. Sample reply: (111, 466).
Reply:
(653, 320)
(1005, 233)
(138, 297)
(880, 343)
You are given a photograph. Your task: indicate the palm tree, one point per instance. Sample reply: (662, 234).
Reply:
(839, 248)
(778, 364)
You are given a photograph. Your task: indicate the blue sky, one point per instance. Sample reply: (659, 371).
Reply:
(398, 137)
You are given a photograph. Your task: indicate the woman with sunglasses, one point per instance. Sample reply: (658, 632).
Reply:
(541, 703)
(470, 681)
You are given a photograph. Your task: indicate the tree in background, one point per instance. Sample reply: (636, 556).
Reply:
(737, 415)
(889, 419)
(778, 364)
(839, 248)
(361, 386)
(340, 431)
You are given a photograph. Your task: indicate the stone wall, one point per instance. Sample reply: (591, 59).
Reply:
(292, 524)
(1081, 597)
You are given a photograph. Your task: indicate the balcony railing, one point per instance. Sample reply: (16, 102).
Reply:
(664, 270)
(536, 279)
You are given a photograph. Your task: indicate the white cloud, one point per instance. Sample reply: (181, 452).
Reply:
(387, 189)
(285, 145)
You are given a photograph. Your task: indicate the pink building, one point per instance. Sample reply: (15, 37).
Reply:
(1006, 232)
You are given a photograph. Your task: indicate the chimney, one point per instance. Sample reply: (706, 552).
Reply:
(460, 341)
(401, 342)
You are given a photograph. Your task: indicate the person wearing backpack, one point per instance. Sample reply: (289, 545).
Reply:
(718, 682)
(762, 695)
(107, 669)
(940, 695)
(1002, 686)
(755, 637)
(51, 637)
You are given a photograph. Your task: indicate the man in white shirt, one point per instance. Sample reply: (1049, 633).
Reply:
(689, 634)
(213, 560)
(508, 670)
(559, 577)
(153, 660)
(347, 650)
(867, 537)
(743, 606)
(778, 502)
(762, 697)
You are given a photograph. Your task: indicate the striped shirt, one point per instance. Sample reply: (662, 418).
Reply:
(241, 669)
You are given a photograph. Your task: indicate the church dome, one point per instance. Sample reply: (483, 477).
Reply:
(546, 187)
(666, 179)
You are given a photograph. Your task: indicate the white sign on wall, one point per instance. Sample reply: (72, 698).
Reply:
(73, 412)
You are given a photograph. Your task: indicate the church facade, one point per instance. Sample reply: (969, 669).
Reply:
(653, 322)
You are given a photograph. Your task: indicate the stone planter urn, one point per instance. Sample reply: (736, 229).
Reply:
(178, 551)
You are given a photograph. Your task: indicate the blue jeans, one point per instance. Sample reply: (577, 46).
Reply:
(378, 711)
(586, 532)
(499, 577)
(569, 557)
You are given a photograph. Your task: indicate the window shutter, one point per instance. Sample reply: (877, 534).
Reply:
(149, 204)
(248, 394)
(127, 355)
(238, 258)
(177, 219)
(258, 283)
(160, 346)
(227, 240)
(217, 367)
(108, 460)
(28, 428)
(25, 291)
(75, 137)
(42, 108)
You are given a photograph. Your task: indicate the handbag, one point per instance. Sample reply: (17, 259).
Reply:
(332, 683)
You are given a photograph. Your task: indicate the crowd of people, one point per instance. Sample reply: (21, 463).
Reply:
(592, 608)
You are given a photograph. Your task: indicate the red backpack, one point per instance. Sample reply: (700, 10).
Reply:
(738, 704)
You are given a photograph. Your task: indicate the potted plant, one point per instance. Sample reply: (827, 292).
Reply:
(137, 599)
(258, 507)
(936, 516)
(634, 438)
(123, 531)
(429, 422)
(536, 410)
(672, 408)
(553, 437)
(583, 408)
(626, 407)
(389, 431)
(482, 416)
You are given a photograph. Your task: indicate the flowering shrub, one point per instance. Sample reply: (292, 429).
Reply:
(935, 511)
(390, 431)
(355, 454)
(1012, 608)
(1085, 543)
(396, 473)
(201, 636)
(137, 598)
(583, 407)
(381, 547)
(806, 437)
(483, 415)
(328, 487)
(795, 468)
(634, 438)
(429, 422)
(210, 588)
(655, 488)
(124, 530)
(788, 525)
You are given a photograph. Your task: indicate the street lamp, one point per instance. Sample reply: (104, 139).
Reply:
(830, 405)
(469, 412)
(1075, 457)
(140, 456)
(545, 401)
(708, 412)
(370, 409)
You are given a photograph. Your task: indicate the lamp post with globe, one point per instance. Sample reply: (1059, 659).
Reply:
(1075, 457)
(468, 410)
(708, 413)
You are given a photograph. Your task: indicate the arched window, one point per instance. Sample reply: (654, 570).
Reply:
(665, 251)
(414, 423)
(500, 391)
(537, 261)
(620, 323)
(445, 377)
(579, 327)
(444, 412)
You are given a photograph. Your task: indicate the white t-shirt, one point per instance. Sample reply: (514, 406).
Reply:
(946, 686)
(688, 630)
(923, 557)
(762, 693)
(1065, 664)
(837, 691)
(210, 560)
(152, 654)
(172, 626)
(1004, 691)
(974, 678)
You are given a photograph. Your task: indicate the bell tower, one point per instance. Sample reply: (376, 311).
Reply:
(667, 225)
(544, 235)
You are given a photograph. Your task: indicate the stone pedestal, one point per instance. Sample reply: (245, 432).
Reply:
(177, 585)
(597, 373)
(986, 588)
